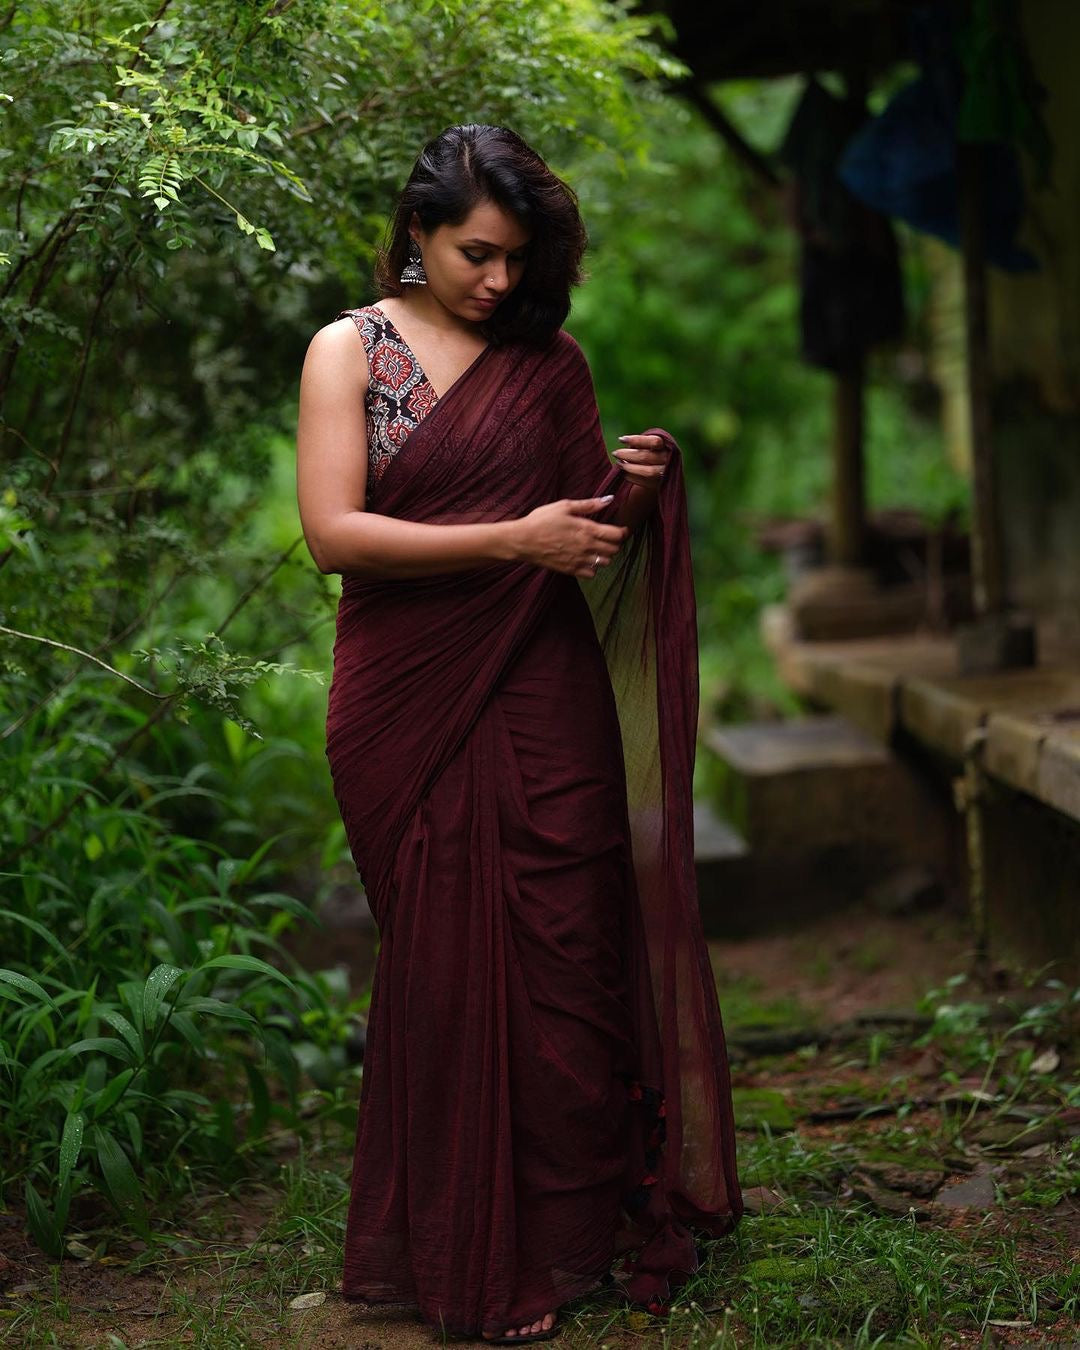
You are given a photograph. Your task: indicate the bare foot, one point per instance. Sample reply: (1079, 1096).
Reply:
(544, 1324)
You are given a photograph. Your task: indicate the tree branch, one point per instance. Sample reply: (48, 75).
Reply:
(110, 641)
(730, 134)
(78, 651)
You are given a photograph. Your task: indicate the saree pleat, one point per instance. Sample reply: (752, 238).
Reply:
(545, 1082)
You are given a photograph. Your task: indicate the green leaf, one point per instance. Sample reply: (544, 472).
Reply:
(120, 1024)
(161, 203)
(93, 847)
(135, 1134)
(216, 1007)
(226, 1123)
(70, 1144)
(131, 992)
(98, 1045)
(111, 1093)
(289, 903)
(120, 1179)
(158, 983)
(181, 944)
(181, 1022)
(40, 929)
(279, 1052)
(260, 1101)
(27, 985)
(251, 963)
(186, 1097)
(43, 1226)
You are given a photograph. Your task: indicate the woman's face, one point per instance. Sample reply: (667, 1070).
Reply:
(473, 266)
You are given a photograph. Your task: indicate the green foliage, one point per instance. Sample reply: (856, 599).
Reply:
(124, 1057)
(189, 190)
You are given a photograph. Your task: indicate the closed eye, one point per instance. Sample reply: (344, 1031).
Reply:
(511, 257)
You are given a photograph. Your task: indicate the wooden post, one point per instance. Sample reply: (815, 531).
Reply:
(987, 570)
(999, 638)
(847, 527)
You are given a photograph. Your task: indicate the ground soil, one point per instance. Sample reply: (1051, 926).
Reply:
(818, 980)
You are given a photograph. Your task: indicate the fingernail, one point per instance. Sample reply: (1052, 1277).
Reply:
(609, 498)
(623, 438)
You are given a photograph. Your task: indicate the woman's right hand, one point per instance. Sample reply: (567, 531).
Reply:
(561, 536)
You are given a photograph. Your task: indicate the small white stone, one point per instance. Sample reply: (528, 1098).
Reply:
(302, 1301)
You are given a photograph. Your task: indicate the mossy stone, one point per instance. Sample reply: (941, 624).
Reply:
(782, 1268)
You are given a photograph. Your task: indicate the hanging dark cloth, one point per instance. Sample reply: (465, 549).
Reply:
(852, 294)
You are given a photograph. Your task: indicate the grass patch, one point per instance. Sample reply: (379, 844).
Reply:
(746, 1009)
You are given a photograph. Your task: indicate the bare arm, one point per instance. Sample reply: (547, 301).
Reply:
(331, 484)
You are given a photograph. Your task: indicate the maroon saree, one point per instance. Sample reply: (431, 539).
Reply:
(545, 1084)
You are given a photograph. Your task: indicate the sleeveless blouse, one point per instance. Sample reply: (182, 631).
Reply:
(399, 395)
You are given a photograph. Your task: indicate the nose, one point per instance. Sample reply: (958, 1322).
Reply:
(497, 278)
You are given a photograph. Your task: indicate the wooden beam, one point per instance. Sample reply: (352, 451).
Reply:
(987, 566)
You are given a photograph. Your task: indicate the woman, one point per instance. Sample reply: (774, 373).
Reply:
(510, 734)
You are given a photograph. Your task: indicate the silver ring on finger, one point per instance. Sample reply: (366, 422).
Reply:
(596, 563)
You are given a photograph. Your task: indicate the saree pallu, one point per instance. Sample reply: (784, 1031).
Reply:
(545, 1083)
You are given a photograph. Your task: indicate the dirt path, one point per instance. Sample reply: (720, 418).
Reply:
(904, 1175)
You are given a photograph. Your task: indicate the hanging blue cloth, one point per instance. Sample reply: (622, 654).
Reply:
(903, 162)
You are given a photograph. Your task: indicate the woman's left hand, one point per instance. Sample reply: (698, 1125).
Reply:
(643, 459)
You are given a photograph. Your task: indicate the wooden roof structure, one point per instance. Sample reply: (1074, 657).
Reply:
(761, 39)
(861, 40)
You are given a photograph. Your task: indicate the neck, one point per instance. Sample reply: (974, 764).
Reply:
(432, 312)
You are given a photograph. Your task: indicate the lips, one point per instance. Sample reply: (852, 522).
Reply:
(480, 300)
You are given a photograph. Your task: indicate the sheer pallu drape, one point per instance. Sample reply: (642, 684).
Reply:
(545, 1079)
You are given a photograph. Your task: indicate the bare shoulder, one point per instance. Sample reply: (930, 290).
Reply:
(337, 348)
(391, 305)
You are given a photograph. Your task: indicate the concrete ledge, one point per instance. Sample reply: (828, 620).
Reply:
(939, 716)
(1058, 772)
(882, 685)
(867, 695)
(1013, 749)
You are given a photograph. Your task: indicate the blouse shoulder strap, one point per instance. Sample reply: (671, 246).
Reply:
(367, 324)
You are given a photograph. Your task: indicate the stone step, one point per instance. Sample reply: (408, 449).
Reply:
(806, 784)
(725, 873)
(804, 817)
(716, 840)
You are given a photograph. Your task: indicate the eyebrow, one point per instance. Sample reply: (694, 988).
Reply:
(488, 244)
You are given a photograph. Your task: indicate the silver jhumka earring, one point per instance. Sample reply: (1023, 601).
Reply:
(414, 273)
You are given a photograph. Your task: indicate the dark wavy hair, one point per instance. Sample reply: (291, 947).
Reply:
(469, 164)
